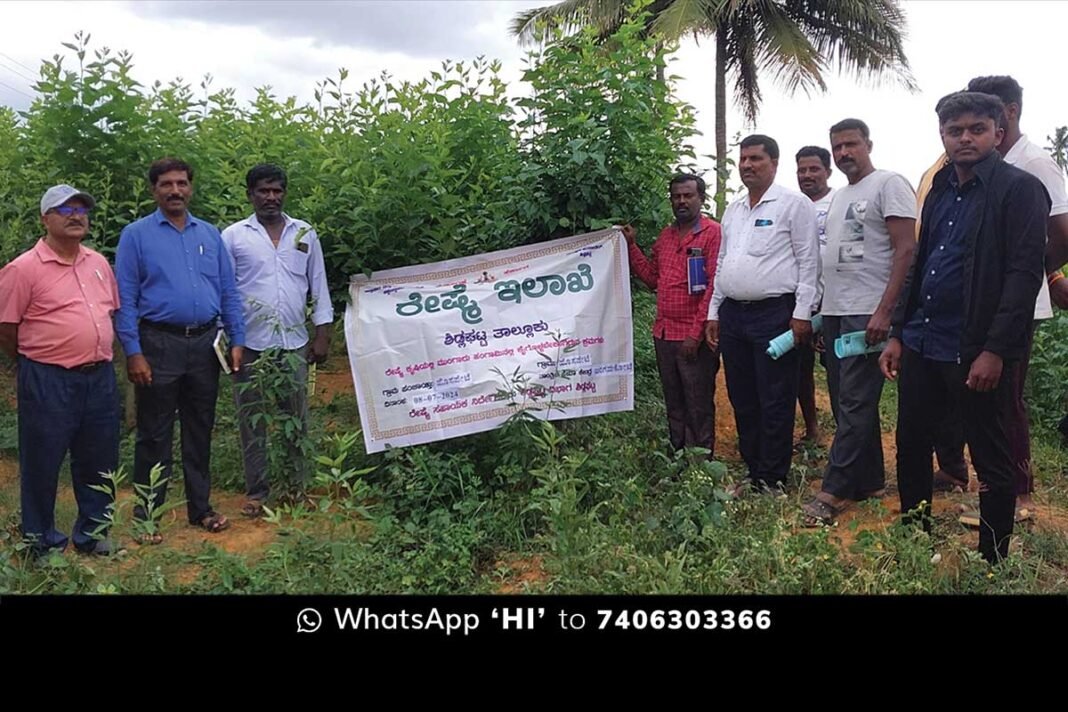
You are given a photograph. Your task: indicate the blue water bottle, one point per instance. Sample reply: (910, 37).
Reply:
(696, 277)
(854, 344)
(784, 342)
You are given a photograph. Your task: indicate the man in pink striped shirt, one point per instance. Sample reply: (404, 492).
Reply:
(687, 366)
(56, 302)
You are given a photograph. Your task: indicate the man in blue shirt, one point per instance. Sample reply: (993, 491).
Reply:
(964, 317)
(175, 283)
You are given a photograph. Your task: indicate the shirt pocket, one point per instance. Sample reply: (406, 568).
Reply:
(761, 240)
(209, 263)
(295, 261)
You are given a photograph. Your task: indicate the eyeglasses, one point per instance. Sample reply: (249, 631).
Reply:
(68, 210)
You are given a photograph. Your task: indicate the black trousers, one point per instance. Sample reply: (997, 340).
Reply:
(185, 379)
(689, 394)
(928, 391)
(762, 390)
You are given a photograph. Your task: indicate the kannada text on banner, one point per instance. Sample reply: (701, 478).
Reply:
(457, 347)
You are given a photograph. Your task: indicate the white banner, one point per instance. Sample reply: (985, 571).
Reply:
(457, 347)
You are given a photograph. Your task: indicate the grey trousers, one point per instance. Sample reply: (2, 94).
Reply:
(855, 463)
(273, 385)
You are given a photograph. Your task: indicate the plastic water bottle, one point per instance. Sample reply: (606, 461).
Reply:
(854, 344)
(784, 342)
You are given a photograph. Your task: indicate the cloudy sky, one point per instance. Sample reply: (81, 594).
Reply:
(292, 45)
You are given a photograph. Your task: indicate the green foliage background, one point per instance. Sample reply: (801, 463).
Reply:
(396, 173)
(390, 173)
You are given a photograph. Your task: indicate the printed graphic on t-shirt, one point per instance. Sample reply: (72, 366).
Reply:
(851, 243)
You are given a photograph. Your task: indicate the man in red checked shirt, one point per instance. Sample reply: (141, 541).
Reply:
(687, 365)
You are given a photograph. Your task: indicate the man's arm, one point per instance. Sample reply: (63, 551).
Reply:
(697, 330)
(898, 209)
(15, 294)
(128, 276)
(9, 340)
(805, 242)
(1056, 257)
(230, 299)
(643, 268)
(322, 308)
(1025, 223)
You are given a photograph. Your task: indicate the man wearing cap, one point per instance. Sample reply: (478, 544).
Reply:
(56, 302)
(176, 282)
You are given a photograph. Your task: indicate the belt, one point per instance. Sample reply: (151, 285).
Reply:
(88, 367)
(765, 300)
(194, 330)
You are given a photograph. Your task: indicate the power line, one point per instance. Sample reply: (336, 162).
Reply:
(17, 73)
(17, 91)
(31, 69)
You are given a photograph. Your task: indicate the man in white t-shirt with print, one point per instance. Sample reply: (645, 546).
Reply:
(870, 242)
(813, 172)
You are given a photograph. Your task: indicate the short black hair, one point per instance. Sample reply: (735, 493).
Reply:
(970, 102)
(1003, 87)
(770, 146)
(265, 171)
(821, 153)
(851, 125)
(686, 178)
(166, 165)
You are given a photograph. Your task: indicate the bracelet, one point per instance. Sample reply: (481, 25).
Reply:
(1054, 277)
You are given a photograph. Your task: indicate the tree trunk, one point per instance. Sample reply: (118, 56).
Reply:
(660, 67)
(722, 173)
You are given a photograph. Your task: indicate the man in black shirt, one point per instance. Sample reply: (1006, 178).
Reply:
(966, 311)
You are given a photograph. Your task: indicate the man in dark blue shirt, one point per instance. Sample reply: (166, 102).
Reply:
(966, 312)
(175, 283)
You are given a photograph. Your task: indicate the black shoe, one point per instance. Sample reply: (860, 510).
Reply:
(101, 547)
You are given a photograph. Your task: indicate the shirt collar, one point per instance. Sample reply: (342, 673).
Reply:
(983, 169)
(772, 194)
(1018, 149)
(255, 224)
(161, 218)
(47, 254)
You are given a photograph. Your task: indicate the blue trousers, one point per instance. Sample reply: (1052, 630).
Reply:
(60, 411)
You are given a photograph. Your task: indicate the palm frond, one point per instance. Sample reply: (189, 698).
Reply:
(681, 17)
(569, 16)
(865, 38)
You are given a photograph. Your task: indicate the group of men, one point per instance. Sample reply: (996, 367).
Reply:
(942, 285)
(177, 282)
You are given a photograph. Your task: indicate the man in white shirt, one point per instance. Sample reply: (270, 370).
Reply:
(870, 244)
(766, 284)
(1027, 156)
(813, 172)
(278, 262)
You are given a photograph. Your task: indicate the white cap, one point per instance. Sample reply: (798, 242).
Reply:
(59, 194)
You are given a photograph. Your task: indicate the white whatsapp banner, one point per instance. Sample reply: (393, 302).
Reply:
(457, 347)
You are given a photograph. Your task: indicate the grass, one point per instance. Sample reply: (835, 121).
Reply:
(593, 505)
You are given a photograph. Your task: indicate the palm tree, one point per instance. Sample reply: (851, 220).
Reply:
(793, 40)
(1058, 146)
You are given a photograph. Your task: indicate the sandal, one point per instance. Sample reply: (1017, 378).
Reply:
(148, 538)
(252, 508)
(818, 513)
(872, 494)
(213, 522)
(945, 482)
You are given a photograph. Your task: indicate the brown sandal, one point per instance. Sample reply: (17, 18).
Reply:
(213, 522)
